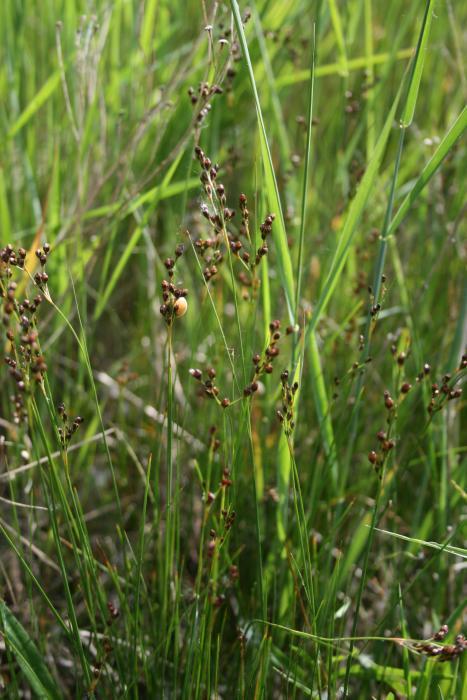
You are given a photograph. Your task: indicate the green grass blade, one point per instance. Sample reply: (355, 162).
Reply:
(155, 194)
(339, 34)
(152, 198)
(35, 580)
(279, 231)
(5, 219)
(28, 657)
(454, 133)
(148, 25)
(36, 103)
(305, 182)
(449, 548)
(353, 217)
(353, 64)
(117, 271)
(323, 409)
(409, 108)
(370, 73)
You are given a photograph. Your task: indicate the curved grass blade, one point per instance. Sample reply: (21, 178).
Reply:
(353, 64)
(279, 232)
(36, 103)
(449, 548)
(323, 410)
(454, 133)
(409, 108)
(141, 217)
(339, 34)
(353, 217)
(28, 657)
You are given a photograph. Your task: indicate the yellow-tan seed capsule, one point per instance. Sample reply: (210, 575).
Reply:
(180, 307)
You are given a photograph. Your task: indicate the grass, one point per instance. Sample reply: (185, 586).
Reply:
(263, 496)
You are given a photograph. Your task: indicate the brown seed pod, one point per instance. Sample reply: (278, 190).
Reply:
(180, 307)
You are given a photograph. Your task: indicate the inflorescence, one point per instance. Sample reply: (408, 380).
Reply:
(19, 315)
(226, 237)
(262, 364)
(174, 298)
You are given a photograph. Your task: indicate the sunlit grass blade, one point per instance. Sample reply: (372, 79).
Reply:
(409, 108)
(353, 64)
(279, 230)
(36, 103)
(436, 160)
(449, 548)
(339, 34)
(351, 221)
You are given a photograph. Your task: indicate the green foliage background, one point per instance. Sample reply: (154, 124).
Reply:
(97, 138)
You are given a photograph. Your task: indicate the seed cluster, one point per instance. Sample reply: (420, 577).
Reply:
(441, 393)
(70, 427)
(375, 306)
(378, 456)
(228, 519)
(226, 38)
(125, 376)
(226, 515)
(433, 648)
(209, 386)
(11, 258)
(446, 390)
(202, 97)
(174, 298)
(263, 364)
(286, 415)
(19, 316)
(114, 612)
(225, 235)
